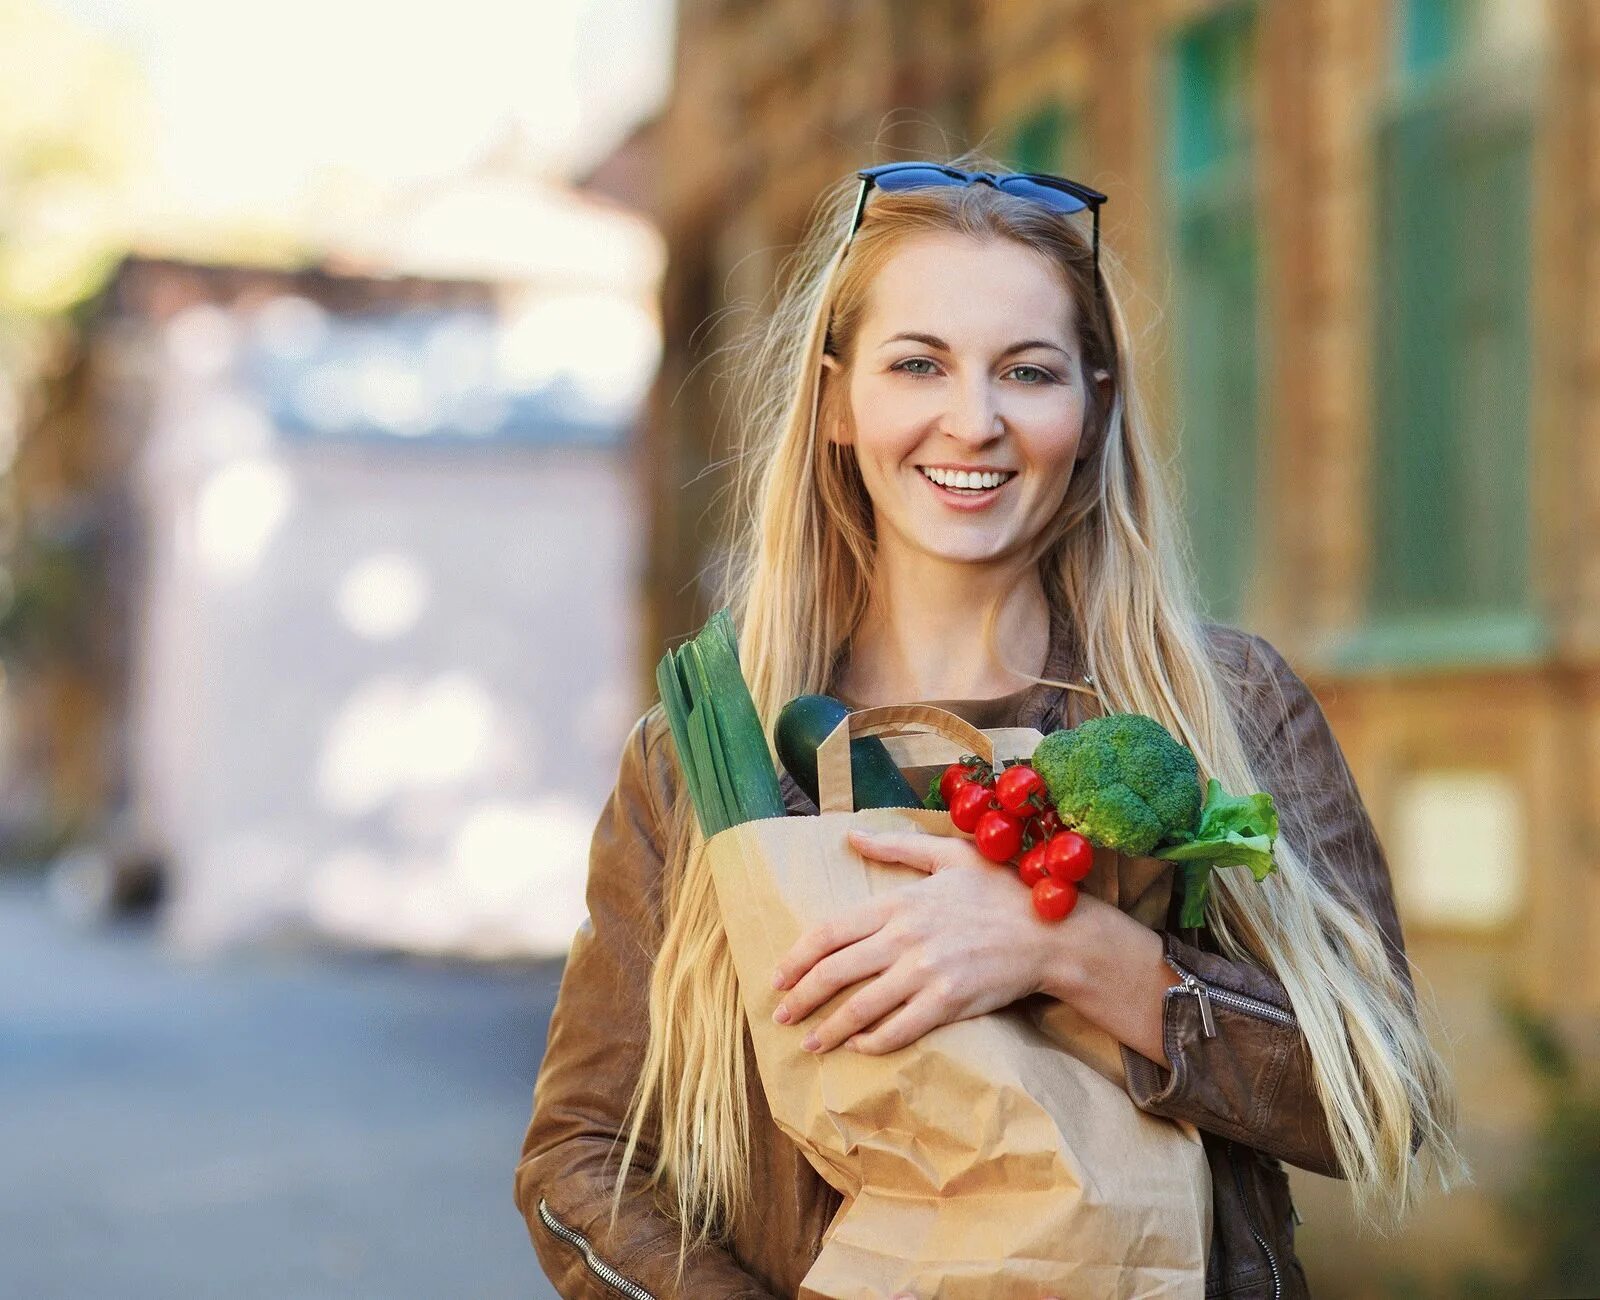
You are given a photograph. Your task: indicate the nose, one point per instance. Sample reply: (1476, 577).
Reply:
(974, 413)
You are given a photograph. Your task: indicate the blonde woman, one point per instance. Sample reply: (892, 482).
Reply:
(948, 491)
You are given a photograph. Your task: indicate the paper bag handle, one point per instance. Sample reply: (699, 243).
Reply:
(835, 792)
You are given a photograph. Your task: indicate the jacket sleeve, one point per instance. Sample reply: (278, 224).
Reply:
(567, 1171)
(1251, 1079)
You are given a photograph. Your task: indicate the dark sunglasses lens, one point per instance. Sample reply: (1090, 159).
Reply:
(1024, 188)
(914, 178)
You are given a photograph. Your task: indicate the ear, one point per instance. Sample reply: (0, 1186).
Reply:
(1103, 387)
(830, 382)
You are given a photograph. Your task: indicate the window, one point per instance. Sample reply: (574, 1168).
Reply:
(1450, 470)
(1210, 163)
(1461, 861)
(451, 375)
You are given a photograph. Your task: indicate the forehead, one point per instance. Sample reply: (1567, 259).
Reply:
(964, 288)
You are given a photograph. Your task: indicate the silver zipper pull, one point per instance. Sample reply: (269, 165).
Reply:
(1295, 1210)
(1203, 995)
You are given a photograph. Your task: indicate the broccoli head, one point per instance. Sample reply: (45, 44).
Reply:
(1122, 781)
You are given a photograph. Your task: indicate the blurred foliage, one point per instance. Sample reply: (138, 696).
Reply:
(1551, 1212)
(1556, 1207)
(73, 125)
(73, 120)
(47, 608)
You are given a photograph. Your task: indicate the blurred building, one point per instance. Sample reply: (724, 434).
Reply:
(353, 642)
(1363, 238)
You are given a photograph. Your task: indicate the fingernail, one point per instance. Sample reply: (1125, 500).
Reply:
(777, 979)
(812, 1043)
(781, 1015)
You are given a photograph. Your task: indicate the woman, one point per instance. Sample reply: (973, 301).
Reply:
(964, 328)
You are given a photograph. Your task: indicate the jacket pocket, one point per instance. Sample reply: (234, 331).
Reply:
(1209, 995)
(597, 1266)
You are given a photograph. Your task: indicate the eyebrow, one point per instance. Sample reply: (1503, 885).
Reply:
(934, 341)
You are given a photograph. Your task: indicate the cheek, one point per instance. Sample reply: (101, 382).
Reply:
(890, 413)
(1052, 431)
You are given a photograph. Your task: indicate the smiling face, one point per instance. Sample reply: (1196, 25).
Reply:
(966, 397)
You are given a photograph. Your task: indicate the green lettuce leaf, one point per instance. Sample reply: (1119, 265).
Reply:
(1234, 831)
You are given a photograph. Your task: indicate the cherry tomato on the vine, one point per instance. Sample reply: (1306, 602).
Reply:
(1049, 822)
(1053, 899)
(970, 803)
(952, 779)
(1068, 857)
(999, 835)
(1016, 789)
(1031, 868)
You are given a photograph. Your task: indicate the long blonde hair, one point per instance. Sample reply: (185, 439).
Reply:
(1114, 562)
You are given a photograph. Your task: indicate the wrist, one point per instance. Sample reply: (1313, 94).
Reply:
(1066, 962)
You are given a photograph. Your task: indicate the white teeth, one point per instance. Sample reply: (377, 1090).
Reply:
(961, 478)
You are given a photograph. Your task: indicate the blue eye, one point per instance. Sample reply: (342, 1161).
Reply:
(913, 361)
(1042, 376)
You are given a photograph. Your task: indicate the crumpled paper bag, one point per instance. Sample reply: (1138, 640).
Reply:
(995, 1157)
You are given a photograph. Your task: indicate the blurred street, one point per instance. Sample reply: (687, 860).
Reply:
(289, 1124)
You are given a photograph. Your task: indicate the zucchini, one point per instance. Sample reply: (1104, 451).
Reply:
(805, 722)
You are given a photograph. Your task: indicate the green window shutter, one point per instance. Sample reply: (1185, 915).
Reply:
(1048, 139)
(1216, 314)
(1432, 34)
(1450, 467)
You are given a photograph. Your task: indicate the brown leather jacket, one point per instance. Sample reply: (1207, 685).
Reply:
(1247, 1085)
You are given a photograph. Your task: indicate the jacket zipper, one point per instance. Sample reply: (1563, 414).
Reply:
(1205, 994)
(597, 1266)
(1250, 1219)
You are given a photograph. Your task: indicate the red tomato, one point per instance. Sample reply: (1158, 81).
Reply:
(1016, 787)
(1031, 868)
(1053, 899)
(970, 803)
(999, 835)
(1068, 857)
(1049, 822)
(953, 778)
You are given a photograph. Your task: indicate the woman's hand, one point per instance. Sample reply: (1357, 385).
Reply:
(958, 944)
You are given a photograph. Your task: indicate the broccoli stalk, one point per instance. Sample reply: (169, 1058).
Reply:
(1233, 832)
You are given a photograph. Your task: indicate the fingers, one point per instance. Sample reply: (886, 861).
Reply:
(838, 970)
(865, 1007)
(916, 1018)
(917, 849)
(817, 942)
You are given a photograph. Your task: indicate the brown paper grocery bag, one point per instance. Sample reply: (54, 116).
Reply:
(996, 1157)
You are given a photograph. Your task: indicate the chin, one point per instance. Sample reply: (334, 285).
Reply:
(978, 550)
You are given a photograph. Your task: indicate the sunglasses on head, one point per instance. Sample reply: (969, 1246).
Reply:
(1055, 192)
